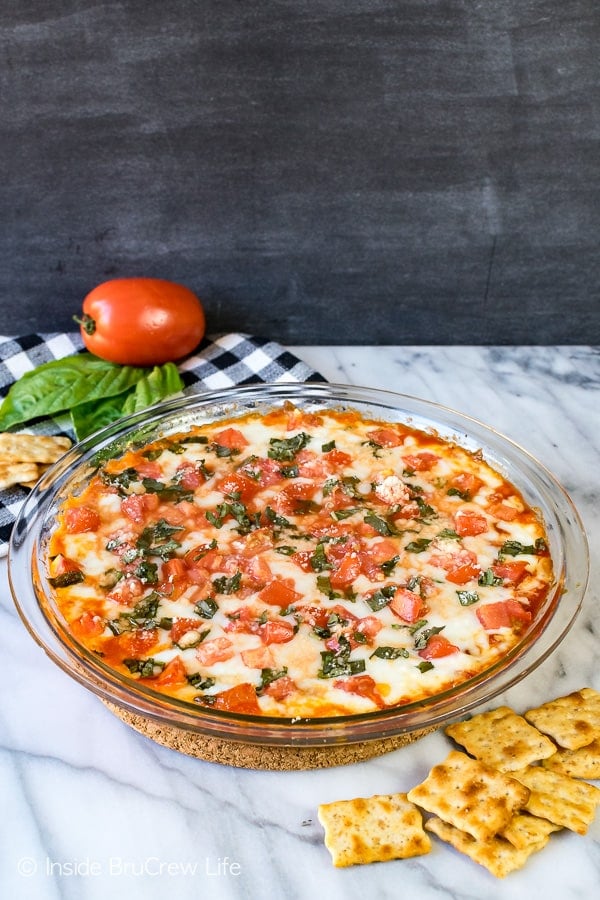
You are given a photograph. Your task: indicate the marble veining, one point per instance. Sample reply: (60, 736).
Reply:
(91, 809)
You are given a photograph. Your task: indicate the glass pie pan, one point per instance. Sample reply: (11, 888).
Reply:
(163, 714)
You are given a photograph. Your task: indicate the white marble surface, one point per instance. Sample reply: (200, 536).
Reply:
(81, 791)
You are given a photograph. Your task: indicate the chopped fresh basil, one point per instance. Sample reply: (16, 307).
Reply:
(224, 585)
(218, 517)
(194, 439)
(422, 639)
(198, 681)
(326, 448)
(418, 546)
(349, 485)
(340, 514)
(274, 519)
(329, 486)
(375, 447)
(66, 579)
(156, 540)
(289, 471)
(337, 663)
(167, 491)
(488, 579)
(120, 480)
(425, 666)
(390, 652)
(147, 572)
(381, 598)
(285, 449)
(222, 452)
(145, 668)
(448, 534)
(389, 565)
(382, 526)
(467, 598)
(454, 492)
(268, 676)
(516, 548)
(286, 550)
(318, 560)
(425, 510)
(206, 608)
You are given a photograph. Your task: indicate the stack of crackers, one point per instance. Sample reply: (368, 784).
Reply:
(25, 457)
(519, 780)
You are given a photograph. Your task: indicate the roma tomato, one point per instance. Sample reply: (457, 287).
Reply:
(141, 321)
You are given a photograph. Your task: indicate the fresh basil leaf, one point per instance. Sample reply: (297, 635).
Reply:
(87, 418)
(61, 384)
(160, 382)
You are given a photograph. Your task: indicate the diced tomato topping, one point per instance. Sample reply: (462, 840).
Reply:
(174, 568)
(290, 499)
(279, 592)
(257, 541)
(231, 438)
(460, 567)
(438, 646)
(503, 614)
(276, 632)
(281, 688)
(197, 575)
(309, 464)
(88, 625)
(466, 483)
(217, 650)
(337, 458)
(373, 556)
(81, 518)
(241, 699)
(62, 564)
(126, 590)
(190, 476)
(136, 506)
(369, 626)
(314, 615)
(511, 573)
(348, 570)
(136, 644)
(420, 462)
(386, 437)
(147, 468)
(407, 605)
(269, 471)
(463, 574)
(302, 559)
(238, 485)
(173, 673)
(183, 626)
(243, 620)
(468, 522)
(504, 512)
(258, 658)
(364, 686)
(175, 578)
(257, 570)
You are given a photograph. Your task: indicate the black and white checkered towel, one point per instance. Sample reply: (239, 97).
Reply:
(219, 362)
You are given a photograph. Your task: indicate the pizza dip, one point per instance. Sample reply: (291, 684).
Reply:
(298, 564)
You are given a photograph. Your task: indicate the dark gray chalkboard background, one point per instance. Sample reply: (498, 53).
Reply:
(335, 171)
